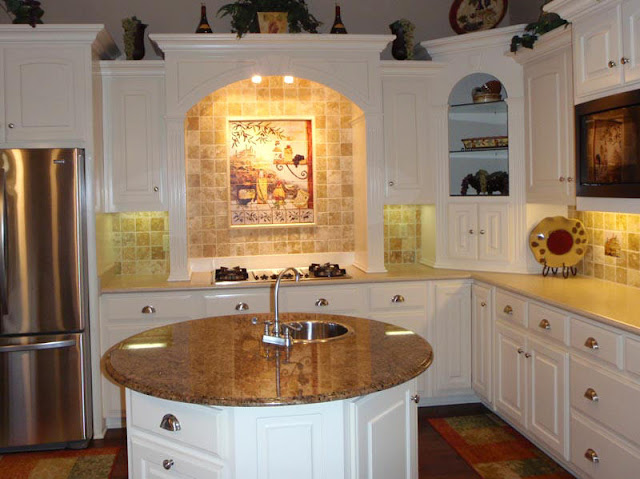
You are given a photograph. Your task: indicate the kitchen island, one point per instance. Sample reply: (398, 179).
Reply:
(207, 398)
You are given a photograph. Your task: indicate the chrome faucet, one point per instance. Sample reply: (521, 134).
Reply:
(275, 336)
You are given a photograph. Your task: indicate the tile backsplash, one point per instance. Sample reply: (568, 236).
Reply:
(140, 242)
(402, 234)
(209, 233)
(613, 250)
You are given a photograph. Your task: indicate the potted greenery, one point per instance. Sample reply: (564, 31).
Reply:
(24, 11)
(244, 15)
(546, 22)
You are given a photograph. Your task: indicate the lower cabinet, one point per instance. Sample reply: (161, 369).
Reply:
(481, 341)
(510, 390)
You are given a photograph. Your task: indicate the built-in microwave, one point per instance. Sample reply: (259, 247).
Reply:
(608, 146)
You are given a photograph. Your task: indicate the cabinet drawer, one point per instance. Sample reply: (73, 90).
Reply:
(615, 459)
(150, 459)
(131, 306)
(238, 303)
(511, 308)
(323, 300)
(548, 322)
(199, 426)
(395, 296)
(595, 341)
(615, 402)
(632, 355)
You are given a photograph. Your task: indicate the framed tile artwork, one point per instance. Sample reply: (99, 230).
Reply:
(271, 172)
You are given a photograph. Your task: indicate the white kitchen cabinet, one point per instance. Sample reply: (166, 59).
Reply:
(479, 231)
(238, 302)
(134, 138)
(549, 119)
(337, 299)
(510, 380)
(481, 341)
(452, 338)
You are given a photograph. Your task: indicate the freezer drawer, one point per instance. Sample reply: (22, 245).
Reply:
(42, 391)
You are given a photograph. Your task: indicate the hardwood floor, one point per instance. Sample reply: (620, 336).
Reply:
(436, 458)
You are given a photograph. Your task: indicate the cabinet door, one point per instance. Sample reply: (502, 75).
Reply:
(631, 40)
(45, 92)
(549, 129)
(452, 346)
(597, 41)
(548, 407)
(386, 434)
(463, 237)
(225, 303)
(510, 391)
(493, 232)
(134, 143)
(405, 131)
(481, 341)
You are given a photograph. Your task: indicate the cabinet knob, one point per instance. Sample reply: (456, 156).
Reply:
(148, 309)
(561, 179)
(11, 125)
(527, 355)
(624, 60)
(483, 304)
(569, 179)
(156, 189)
(170, 423)
(482, 232)
(508, 309)
(544, 324)
(471, 232)
(591, 395)
(592, 455)
(391, 183)
(591, 343)
(415, 398)
(242, 307)
(398, 298)
(322, 302)
(520, 351)
(167, 464)
(611, 64)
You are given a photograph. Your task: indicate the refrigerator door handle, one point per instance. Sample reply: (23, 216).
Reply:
(13, 348)
(4, 298)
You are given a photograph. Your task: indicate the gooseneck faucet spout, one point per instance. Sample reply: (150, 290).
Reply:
(276, 336)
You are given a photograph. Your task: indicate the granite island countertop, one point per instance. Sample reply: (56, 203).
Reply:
(222, 361)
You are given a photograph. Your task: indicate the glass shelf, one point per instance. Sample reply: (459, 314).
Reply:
(486, 107)
(477, 151)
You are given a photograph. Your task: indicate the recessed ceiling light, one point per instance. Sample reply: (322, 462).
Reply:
(288, 79)
(256, 79)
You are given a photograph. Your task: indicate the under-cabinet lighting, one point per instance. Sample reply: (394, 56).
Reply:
(256, 79)
(398, 333)
(145, 346)
(288, 79)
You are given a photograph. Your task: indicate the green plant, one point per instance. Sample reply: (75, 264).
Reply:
(129, 25)
(24, 11)
(408, 29)
(545, 23)
(244, 18)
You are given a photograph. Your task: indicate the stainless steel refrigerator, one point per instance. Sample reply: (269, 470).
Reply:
(45, 395)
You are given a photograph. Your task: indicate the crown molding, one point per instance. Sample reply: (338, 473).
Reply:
(548, 43)
(473, 41)
(124, 68)
(408, 68)
(572, 10)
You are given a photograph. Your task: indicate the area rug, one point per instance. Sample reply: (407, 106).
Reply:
(93, 463)
(496, 450)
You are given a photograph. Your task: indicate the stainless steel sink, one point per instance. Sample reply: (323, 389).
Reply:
(317, 331)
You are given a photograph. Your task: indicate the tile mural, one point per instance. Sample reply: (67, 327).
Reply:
(402, 234)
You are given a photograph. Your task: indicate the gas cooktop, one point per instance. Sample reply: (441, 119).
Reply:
(314, 271)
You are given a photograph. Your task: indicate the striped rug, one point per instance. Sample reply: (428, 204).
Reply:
(93, 463)
(496, 450)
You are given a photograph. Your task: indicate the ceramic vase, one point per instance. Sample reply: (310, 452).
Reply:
(138, 42)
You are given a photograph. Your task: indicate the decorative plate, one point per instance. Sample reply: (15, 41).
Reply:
(474, 15)
(558, 242)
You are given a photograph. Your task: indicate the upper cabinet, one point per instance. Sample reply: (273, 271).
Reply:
(134, 138)
(549, 123)
(606, 43)
(409, 172)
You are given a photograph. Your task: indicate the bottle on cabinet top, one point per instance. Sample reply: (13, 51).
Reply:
(203, 26)
(338, 26)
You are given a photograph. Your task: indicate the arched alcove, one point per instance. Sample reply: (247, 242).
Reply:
(210, 198)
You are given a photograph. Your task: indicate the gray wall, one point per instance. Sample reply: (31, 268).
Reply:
(431, 17)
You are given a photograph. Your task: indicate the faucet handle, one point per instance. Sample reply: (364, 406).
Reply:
(292, 326)
(267, 324)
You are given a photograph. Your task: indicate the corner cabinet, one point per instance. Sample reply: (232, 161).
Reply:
(134, 136)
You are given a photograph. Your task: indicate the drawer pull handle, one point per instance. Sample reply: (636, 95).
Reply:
(591, 395)
(545, 324)
(591, 343)
(242, 307)
(167, 464)
(322, 302)
(170, 423)
(398, 298)
(592, 456)
(520, 351)
(415, 398)
(148, 309)
(508, 309)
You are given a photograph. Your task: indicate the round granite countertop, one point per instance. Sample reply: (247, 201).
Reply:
(223, 361)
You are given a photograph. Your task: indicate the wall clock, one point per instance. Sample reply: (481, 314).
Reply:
(474, 15)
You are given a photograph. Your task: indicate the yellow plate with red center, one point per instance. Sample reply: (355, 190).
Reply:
(558, 241)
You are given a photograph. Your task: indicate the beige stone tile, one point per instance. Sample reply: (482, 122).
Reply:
(143, 224)
(143, 253)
